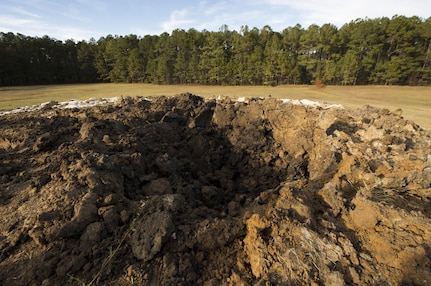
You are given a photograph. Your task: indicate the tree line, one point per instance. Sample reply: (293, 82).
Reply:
(395, 51)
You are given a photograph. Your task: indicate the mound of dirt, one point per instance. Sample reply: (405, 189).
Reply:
(183, 191)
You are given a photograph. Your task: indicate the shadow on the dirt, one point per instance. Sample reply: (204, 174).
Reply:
(95, 168)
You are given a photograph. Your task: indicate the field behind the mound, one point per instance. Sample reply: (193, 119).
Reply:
(414, 101)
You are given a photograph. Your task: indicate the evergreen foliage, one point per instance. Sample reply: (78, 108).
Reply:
(381, 51)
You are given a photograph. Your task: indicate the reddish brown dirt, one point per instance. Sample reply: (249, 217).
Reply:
(186, 191)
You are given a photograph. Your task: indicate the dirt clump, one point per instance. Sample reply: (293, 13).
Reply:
(182, 191)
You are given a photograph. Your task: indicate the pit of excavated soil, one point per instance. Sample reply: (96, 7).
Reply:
(186, 191)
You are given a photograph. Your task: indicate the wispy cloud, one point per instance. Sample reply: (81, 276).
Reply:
(215, 8)
(211, 15)
(339, 12)
(96, 5)
(178, 19)
(39, 27)
(21, 11)
(12, 21)
(45, 18)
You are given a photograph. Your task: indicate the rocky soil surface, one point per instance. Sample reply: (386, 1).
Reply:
(186, 191)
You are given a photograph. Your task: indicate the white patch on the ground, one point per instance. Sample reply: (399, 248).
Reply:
(307, 102)
(336, 106)
(73, 103)
(85, 103)
(310, 103)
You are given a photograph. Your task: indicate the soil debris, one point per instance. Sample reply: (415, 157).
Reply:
(186, 191)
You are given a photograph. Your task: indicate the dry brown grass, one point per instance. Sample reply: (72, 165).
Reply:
(415, 101)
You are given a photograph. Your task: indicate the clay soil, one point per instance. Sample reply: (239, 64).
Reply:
(186, 191)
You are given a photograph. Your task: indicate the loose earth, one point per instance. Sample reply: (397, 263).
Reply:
(190, 191)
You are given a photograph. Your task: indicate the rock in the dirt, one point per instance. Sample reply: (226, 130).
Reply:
(93, 234)
(226, 230)
(85, 213)
(111, 217)
(150, 232)
(159, 187)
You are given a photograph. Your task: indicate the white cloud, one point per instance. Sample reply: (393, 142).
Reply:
(15, 22)
(340, 12)
(144, 31)
(31, 27)
(211, 15)
(215, 8)
(24, 12)
(68, 33)
(45, 18)
(97, 5)
(178, 19)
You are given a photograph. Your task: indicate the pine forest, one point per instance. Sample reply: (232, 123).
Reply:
(381, 51)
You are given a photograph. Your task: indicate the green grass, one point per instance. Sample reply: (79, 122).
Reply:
(415, 101)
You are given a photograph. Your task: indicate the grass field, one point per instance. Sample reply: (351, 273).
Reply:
(415, 101)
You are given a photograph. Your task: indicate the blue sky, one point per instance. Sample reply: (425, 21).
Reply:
(83, 19)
